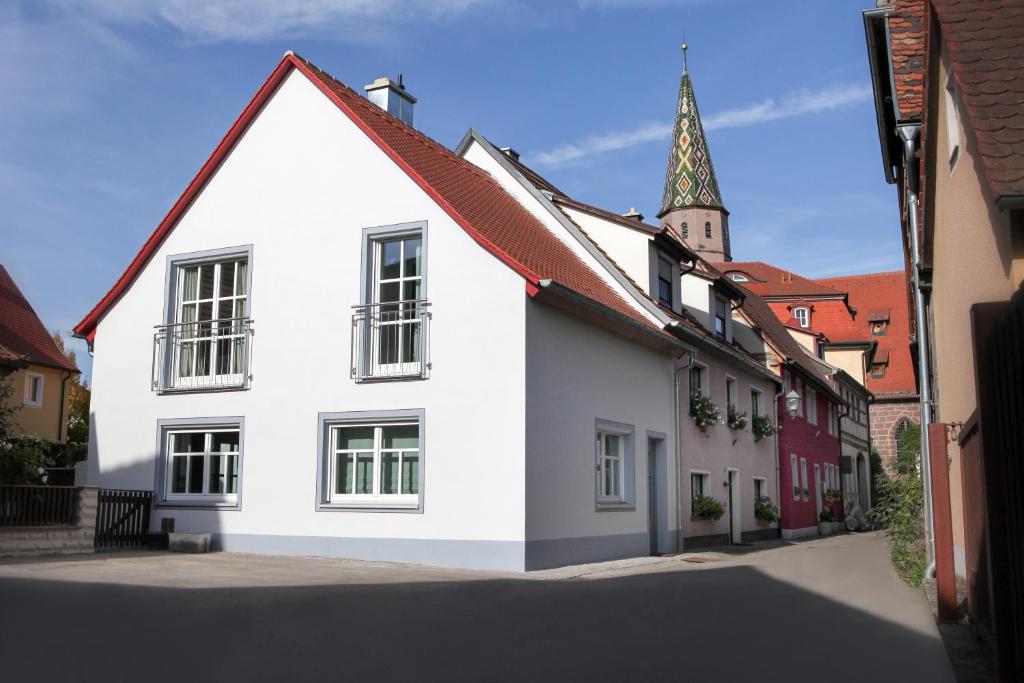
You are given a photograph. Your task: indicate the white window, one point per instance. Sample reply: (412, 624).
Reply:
(803, 478)
(760, 489)
(802, 315)
(203, 464)
(33, 395)
(738, 277)
(730, 393)
(721, 316)
(699, 381)
(755, 403)
(698, 486)
(396, 302)
(665, 279)
(812, 406)
(611, 455)
(952, 120)
(211, 306)
(832, 419)
(372, 464)
(794, 476)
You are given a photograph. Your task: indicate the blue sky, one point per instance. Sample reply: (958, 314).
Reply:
(111, 106)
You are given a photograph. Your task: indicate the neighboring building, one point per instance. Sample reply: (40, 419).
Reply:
(947, 85)
(31, 362)
(880, 302)
(383, 411)
(717, 461)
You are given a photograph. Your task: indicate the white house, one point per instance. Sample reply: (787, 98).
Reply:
(345, 340)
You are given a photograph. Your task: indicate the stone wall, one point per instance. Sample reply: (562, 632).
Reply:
(55, 540)
(884, 419)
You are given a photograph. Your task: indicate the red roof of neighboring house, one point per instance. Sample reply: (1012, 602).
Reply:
(771, 282)
(984, 38)
(23, 337)
(909, 36)
(473, 199)
(884, 291)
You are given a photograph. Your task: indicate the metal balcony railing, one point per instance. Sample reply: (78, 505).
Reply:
(207, 355)
(391, 340)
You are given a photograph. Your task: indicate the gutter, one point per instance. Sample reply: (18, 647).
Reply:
(908, 134)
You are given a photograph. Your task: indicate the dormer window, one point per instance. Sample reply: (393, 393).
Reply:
(721, 315)
(738, 277)
(665, 282)
(878, 329)
(802, 314)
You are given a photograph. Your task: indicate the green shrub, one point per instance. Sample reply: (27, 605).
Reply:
(762, 427)
(765, 510)
(706, 507)
(23, 459)
(900, 508)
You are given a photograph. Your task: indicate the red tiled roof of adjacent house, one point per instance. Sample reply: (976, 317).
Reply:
(22, 334)
(985, 39)
(771, 282)
(884, 291)
(908, 32)
(473, 199)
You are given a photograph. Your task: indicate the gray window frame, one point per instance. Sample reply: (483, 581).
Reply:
(327, 420)
(628, 432)
(163, 426)
(384, 233)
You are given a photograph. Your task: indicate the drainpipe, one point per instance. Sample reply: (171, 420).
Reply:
(60, 413)
(677, 430)
(908, 134)
(778, 456)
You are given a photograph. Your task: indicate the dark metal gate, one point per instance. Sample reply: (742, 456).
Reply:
(122, 518)
(998, 331)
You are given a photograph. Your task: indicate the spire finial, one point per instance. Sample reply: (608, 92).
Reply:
(685, 48)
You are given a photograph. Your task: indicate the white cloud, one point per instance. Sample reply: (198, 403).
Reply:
(796, 104)
(211, 21)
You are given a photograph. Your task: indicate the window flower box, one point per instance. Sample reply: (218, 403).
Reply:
(704, 411)
(706, 508)
(765, 510)
(761, 426)
(735, 419)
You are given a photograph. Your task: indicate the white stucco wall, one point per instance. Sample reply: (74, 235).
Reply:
(300, 187)
(629, 248)
(577, 374)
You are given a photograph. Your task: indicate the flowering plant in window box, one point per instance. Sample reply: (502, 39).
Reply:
(832, 496)
(762, 427)
(765, 510)
(796, 491)
(703, 411)
(735, 419)
(706, 507)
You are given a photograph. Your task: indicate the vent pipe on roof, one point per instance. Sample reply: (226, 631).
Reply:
(634, 214)
(509, 152)
(392, 97)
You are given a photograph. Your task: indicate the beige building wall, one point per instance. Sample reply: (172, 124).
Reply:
(849, 360)
(714, 248)
(972, 259)
(40, 420)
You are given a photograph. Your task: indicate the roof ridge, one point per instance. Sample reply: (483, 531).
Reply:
(860, 275)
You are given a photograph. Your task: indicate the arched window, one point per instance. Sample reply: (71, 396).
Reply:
(686, 230)
(707, 229)
(906, 454)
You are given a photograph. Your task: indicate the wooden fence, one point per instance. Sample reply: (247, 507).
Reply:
(38, 506)
(122, 518)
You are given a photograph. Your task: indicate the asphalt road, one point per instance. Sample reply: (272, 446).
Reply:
(828, 609)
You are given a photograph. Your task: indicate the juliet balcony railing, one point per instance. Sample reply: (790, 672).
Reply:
(209, 355)
(391, 341)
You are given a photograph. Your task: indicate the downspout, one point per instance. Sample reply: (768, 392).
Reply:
(63, 394)
(908, 134)
(677, 431)
(778, 431)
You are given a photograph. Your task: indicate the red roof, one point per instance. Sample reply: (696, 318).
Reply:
(909, 36)
(984, 38)
(473, 199)
(23, 337)
(884, 291)
(771, 282)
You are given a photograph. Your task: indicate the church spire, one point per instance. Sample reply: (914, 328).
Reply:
(690, 178)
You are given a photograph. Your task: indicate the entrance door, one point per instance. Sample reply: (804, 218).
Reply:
(652, 494)
(735, 521)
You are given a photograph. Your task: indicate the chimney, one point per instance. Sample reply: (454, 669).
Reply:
(391, 97)
(634, 214)
(511, 153)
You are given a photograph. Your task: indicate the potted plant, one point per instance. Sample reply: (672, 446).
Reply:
(765, 510)
(735, 419)
(707, 508)
(825, 520)
(796, 491)
(703, 411)
(833, 496)
(761, 426)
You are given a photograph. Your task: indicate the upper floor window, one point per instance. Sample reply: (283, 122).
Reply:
(812, 406)
(686, 230)
(755, 403)
(707, 229)
(802, 314)
(665, 280)
(878, 328)
(389, 336)
(730, 393)
(33, 394)
(698, 381)
(721, 316)
(877, 370)
(204, 344)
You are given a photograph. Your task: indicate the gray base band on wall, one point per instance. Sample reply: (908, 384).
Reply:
(760, 535)
(558, 552)
(702, 542)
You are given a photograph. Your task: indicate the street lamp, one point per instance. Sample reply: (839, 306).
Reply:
(793, 402)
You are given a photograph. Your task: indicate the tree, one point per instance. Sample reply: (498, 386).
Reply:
(78, 400)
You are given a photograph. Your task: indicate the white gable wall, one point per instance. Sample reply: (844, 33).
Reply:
(300, 187)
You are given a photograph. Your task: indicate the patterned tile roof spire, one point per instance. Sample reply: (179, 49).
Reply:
(690, 178)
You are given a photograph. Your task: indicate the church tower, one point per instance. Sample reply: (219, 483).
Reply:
(692, 206)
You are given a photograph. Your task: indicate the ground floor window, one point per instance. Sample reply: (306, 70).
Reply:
(371, 460)
(201, 462)
(699, 488)
(610, 465)
(759, 489)
(614, 450)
